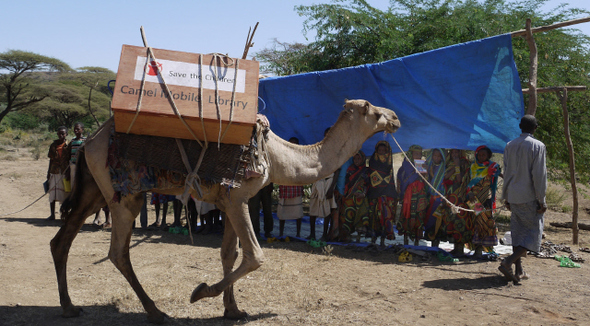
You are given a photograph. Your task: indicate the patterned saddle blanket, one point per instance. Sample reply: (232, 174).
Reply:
(139, 163)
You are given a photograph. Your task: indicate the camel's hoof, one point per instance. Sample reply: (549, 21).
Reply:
(234, 314)
(157, 318)
(71, 311)
(199, 292)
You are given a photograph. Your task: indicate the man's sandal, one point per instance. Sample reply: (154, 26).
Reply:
(508, 274)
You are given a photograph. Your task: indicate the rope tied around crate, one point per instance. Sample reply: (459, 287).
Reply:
(192, 179)
(220, 57)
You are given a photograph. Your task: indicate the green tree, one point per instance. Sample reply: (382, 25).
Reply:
(95, 80)
(80, 95)
(352, 32)
(17, 90)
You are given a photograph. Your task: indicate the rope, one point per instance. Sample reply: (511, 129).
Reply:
(201, 99)
(264, 107)
(219, 56)
(138, 108)
(233, 97)
(29, 205)
(36, 200)
(454, 208)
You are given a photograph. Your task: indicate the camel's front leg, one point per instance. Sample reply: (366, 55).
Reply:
(229, 254)
(123, 215)
(86, 203)
(237, 224)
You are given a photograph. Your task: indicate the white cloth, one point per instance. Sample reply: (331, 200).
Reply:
(290, 208)
(56, 188)
(203, 207)
(319, 205)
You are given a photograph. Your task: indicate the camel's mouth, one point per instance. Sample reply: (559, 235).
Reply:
(392, 126)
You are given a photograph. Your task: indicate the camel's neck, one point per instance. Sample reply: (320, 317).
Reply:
(299, 165)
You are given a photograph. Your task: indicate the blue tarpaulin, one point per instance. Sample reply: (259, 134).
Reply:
(459, 96)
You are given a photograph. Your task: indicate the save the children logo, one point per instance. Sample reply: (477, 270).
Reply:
(153, 68)
(189, 74)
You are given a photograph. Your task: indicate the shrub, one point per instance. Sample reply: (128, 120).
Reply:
(554, 198)
(19, 120)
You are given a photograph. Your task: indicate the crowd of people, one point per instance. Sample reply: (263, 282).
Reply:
(366, 205)
(363, 199)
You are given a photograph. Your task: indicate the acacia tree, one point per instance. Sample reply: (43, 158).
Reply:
(80, 95)
(352, 32)
(94, 78)
(17, 90)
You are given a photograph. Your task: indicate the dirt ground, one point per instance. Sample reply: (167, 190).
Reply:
(297, 285)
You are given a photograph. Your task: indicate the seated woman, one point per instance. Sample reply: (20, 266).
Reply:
(354, 200)
(412, 193)
(434, 228)
(481, 190)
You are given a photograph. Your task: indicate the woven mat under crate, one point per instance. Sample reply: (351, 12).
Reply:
(140, 163)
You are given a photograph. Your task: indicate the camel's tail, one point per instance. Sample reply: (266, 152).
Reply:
(73, 198)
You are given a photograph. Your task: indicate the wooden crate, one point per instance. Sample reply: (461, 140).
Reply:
(180, 71)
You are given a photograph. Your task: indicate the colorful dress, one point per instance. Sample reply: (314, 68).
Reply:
(434, 228)
(483, 185)
(414, 199)
(58, 163)
(382, 193)
(354, 200)
(459, 227)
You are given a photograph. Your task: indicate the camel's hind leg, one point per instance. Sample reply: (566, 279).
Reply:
(237, 225)
(88, 201)
(123, 215)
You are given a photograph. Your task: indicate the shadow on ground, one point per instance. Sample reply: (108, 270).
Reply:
(101, 315)
(455, 284)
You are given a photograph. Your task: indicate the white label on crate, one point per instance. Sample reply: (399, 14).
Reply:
(188, 74)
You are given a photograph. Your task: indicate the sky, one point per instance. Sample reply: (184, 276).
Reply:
(91, 33)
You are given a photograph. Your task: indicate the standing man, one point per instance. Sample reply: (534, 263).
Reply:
(58, 164)
(525, 183)
(264, 195)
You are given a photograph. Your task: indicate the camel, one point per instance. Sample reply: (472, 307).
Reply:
(283, 163)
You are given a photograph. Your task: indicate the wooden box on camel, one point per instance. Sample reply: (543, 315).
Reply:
(182, 73)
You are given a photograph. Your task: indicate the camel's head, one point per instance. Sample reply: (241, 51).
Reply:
(385, 119)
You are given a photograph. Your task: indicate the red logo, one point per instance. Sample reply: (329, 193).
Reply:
(153, 68)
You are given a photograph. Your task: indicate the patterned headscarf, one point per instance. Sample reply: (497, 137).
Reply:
(362, 155)
(381, 173)
(479, 170)
(413, 148)
(383, 158)
(439, 174)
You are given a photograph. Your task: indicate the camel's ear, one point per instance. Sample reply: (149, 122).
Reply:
(361, 105)
(347, 105)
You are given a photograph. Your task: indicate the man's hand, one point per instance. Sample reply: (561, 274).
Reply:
(541, 208)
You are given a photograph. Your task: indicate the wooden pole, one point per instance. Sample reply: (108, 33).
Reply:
(532, 108)
(566, 129)
(558, 88)
(249, 43)
(523, 32)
